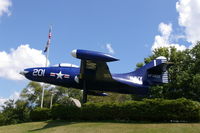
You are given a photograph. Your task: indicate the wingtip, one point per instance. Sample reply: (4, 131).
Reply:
(73, 53)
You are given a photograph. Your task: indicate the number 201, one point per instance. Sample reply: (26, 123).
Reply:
(38, 72)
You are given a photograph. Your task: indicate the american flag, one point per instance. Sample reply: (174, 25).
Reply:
(49, 40)
(50, 33)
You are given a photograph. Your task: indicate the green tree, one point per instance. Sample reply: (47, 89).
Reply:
(183, 75)
(32, 93)
(8, 115)
(139, 65)
(62, 95)
(14, 112)
(112, 97)
(22, 109)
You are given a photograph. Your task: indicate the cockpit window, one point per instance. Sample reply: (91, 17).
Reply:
(65, 65)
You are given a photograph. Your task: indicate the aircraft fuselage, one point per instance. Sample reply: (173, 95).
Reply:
(69, 77)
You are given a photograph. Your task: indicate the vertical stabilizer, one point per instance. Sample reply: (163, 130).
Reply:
(154, 72)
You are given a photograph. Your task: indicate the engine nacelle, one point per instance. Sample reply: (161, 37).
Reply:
(92, 55)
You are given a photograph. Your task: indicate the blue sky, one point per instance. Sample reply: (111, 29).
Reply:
(129, 27)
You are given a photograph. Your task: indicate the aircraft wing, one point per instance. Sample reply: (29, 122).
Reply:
(94, 70)
(93, 65)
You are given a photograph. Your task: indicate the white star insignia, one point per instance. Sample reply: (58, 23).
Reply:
(59, 75)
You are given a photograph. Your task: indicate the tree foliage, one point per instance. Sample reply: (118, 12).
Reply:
(184, 75)
(33, 92)
(14, 112)
(112, 97)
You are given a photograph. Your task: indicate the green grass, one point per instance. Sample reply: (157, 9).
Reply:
(100, 127)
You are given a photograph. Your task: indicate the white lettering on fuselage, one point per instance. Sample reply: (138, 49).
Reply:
(133, 79)
(136, 79)
(38, 72)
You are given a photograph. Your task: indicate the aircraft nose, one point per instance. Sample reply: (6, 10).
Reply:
(23, 72)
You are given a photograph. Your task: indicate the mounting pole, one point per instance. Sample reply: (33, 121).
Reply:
(83, 80)
(84, 91)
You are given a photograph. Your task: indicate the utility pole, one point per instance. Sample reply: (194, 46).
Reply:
(53, 92)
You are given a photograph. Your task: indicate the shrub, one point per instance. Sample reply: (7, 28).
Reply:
(65, 112)
(38, 114)
(2, 119)
(149, 110)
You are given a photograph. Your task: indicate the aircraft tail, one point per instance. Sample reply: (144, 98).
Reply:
(154, 72)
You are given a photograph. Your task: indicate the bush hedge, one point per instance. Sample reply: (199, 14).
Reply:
(65, 112)
(39, 114)
(152, 110)
(149, 110)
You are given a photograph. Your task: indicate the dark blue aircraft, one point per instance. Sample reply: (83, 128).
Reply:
(94, 78)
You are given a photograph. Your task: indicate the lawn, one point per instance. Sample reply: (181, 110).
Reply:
(100, 127)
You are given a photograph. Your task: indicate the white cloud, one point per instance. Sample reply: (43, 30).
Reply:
(4, 7)
(18, 59)
(189, 14)
(110, 49)
(165, 29)
(15, 96)
(188, 19)
(164, 40)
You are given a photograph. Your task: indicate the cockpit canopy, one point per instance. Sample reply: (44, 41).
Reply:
(65, 65)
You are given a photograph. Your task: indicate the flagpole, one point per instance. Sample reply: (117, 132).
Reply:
(47, 56)
(49, 39)
(47, 53)
(46, 64)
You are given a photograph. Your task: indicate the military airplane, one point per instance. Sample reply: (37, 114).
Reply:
(94, 78)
